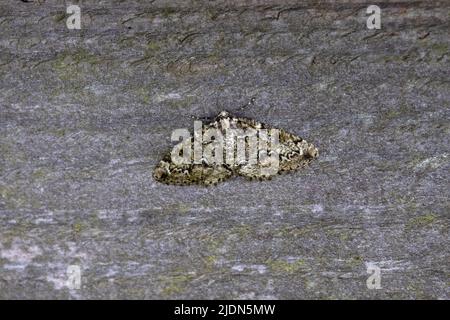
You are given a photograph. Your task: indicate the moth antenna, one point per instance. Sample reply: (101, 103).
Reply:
(204, 118)
(250, 103)
(197, 118)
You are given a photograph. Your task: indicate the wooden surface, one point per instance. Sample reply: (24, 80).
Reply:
(86, 114)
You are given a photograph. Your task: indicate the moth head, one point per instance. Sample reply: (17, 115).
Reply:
(223, 114)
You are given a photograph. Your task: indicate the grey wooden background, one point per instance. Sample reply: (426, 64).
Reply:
(86, 114)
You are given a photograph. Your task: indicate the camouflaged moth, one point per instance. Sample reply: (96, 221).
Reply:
(232, 146)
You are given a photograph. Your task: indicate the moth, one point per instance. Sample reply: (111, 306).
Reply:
(232, 146)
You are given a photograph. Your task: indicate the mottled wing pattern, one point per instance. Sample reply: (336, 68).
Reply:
(170, 173)
(294, 152)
